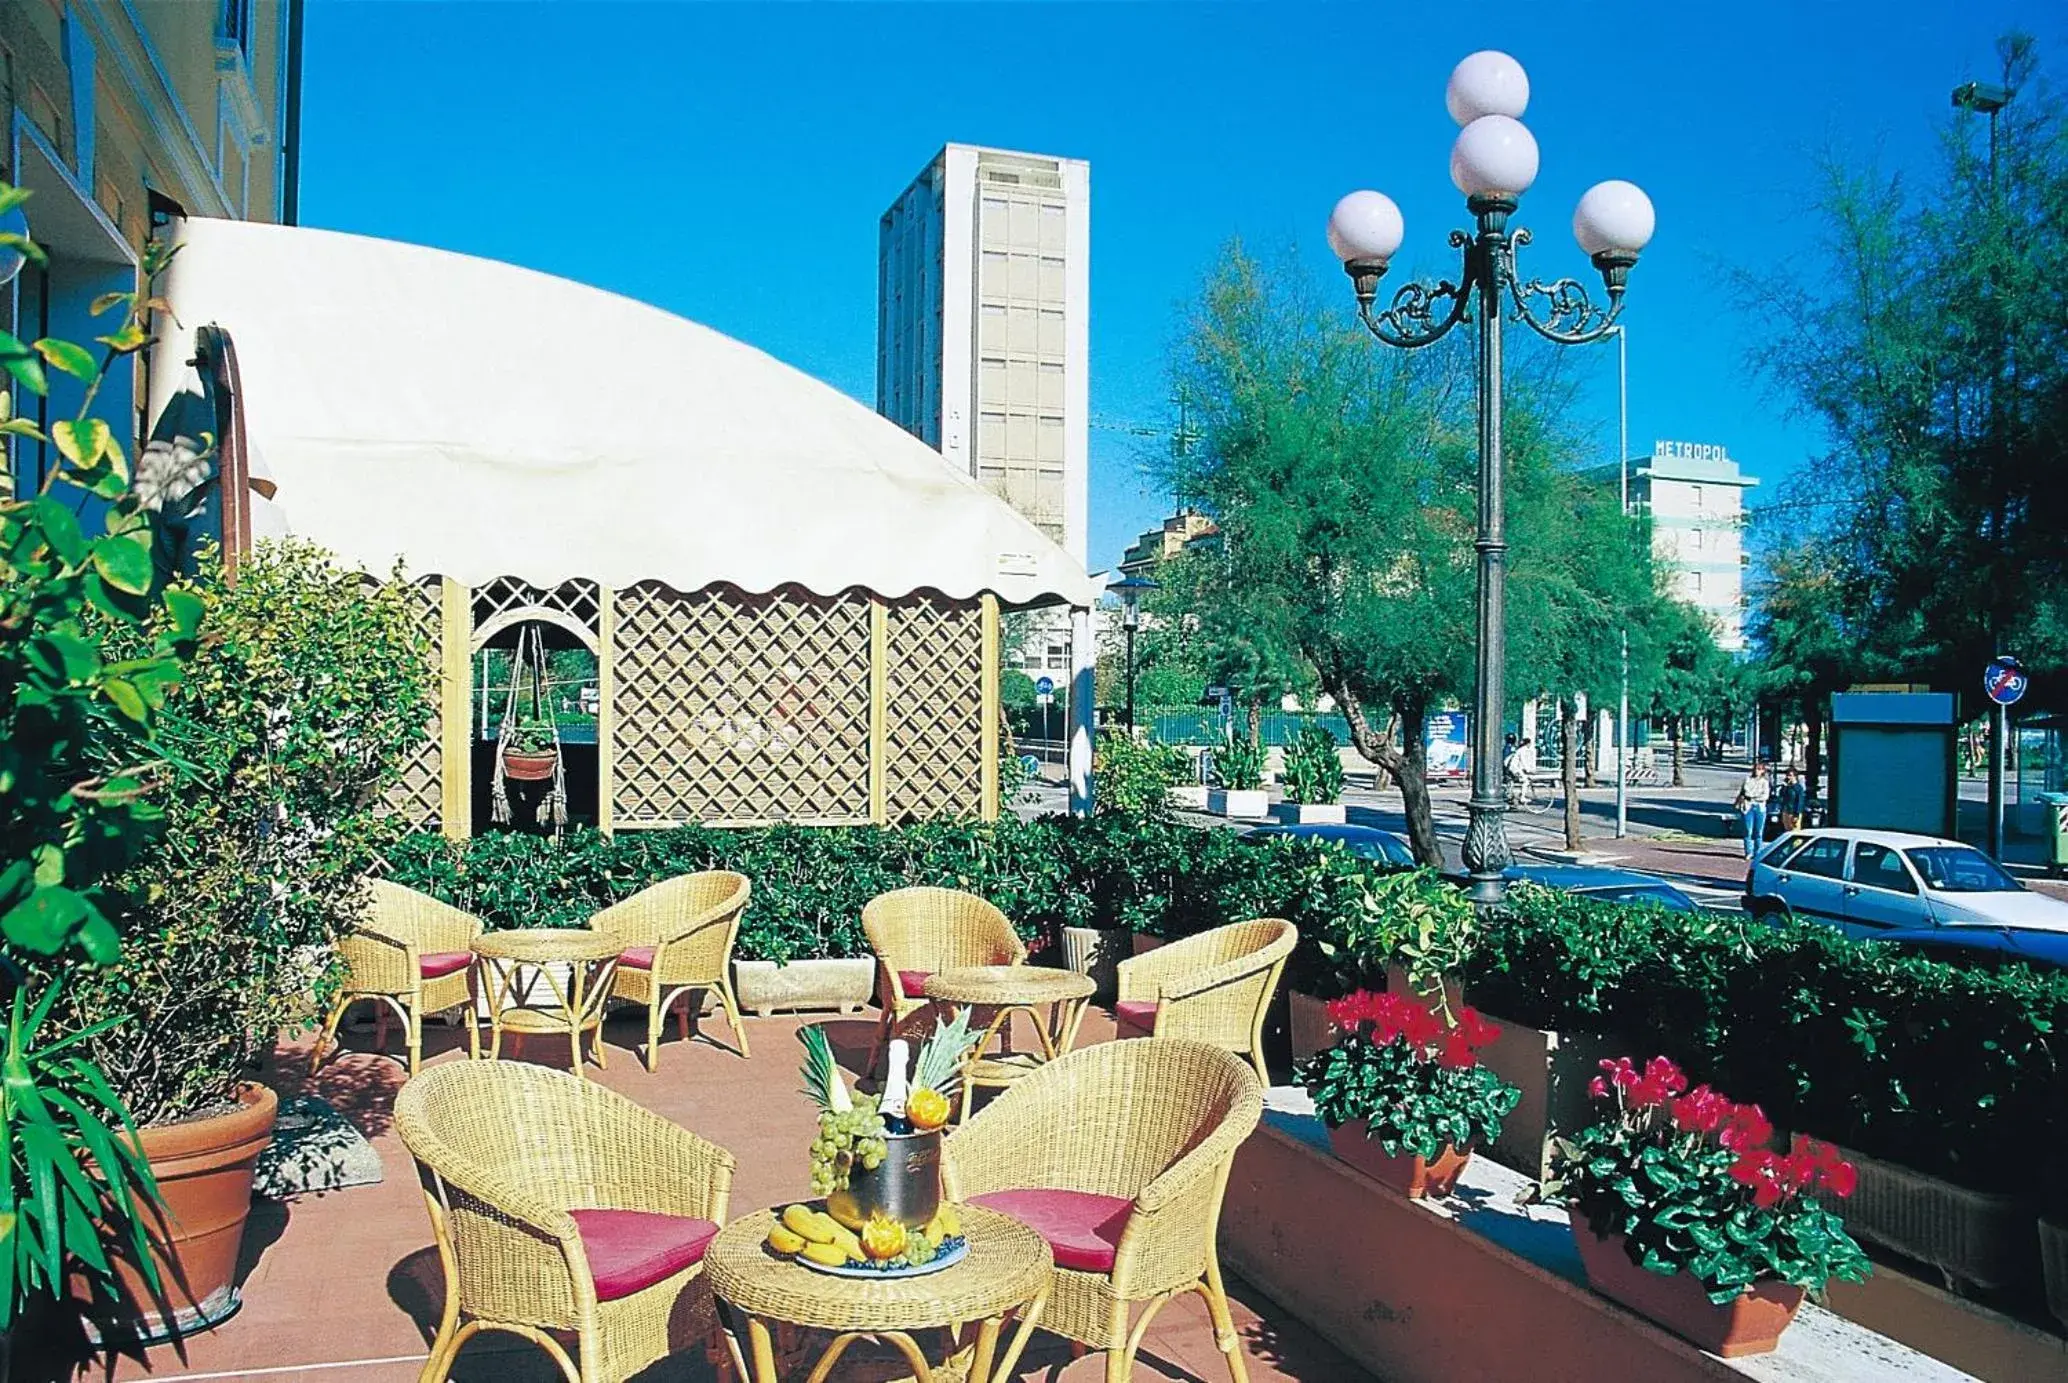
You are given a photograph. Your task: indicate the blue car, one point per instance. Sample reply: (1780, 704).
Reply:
(1365, 842)
(1609, 885)
(1964, 944)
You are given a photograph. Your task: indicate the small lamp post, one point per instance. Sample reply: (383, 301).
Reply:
(1131, 589)
(1493, 163)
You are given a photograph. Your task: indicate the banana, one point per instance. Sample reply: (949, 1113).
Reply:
(807, 1223)
(832, 1255)
(786, 1241)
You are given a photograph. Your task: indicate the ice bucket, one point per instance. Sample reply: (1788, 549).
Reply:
(906, 1186)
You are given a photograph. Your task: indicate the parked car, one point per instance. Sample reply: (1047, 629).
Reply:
(1966, 943)
(1605, 883)
(1871, 882)
(1365, 842)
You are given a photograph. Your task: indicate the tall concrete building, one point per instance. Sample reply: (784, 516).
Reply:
(982, 326)
(122, 114)
(1695, 494)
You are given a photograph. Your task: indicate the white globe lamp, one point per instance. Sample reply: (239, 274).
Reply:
(1614, 218)
(1495, 157)
(1365, 226)
(1487, 83)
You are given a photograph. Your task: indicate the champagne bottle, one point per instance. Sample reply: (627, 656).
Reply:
(894, 1088)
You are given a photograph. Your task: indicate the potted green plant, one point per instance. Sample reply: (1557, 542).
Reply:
(1313, 778)
(1684, 1213)
(1402, 1092)
(1238, 780)
(531, 750)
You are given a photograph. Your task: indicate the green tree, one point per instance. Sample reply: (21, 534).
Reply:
(1681, 689)
(1930, 342)
(1800, 633)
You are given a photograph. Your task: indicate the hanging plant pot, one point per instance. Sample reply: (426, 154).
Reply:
(1750, 1323)
(530, 765)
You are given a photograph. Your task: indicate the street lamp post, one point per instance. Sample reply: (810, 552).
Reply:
(1131, 589)
(1493, 163)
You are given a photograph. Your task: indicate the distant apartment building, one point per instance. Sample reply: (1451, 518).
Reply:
(983, 330)
(1159, 545)
(120, 115)
(1695, 494)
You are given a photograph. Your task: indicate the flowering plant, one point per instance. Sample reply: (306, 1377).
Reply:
(1686, 1176)
(1415, 1079)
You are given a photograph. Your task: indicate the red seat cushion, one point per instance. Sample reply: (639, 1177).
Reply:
(638, 957)
(913, 982)
(1082, 1228)
(436, 965)
(1139, 1014)
(630, 1250)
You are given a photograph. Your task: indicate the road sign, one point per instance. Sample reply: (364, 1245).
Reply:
(1044, 686)
(2005, 680)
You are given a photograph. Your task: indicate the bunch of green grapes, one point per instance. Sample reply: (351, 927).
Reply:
(846, 1139)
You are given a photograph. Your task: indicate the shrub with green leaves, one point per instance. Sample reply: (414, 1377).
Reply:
(1238, 764)
(1135, 776)
(1313, 768)
(1414, 1078)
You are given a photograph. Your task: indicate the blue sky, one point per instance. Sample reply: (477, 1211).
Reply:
(729, 161)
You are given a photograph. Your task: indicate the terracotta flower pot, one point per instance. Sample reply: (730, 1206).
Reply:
(529, 766)
(1412, 1176)
(203, 1169)
(1752, 1324)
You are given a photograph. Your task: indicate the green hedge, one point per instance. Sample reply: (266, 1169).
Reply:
(1946, 1069)
(810, 883)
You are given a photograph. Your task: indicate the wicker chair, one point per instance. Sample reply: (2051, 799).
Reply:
(1214, 987)
(678, 939)
(1118, 1155)
(918, 932)
(561, 1208)
(411, 955)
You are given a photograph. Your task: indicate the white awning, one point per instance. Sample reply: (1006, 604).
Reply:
(478, 420)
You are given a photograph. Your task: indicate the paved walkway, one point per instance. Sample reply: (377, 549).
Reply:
(344, 1287)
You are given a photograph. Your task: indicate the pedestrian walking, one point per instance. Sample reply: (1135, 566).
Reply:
(1789, 800)
(1751, 804)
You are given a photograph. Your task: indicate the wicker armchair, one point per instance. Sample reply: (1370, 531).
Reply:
(1118, 1155)
(411, 955)
(678, 938)
(561, 1208)
(918, 932)
(1214, 987)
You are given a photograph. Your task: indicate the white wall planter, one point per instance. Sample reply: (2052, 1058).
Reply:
(822, 983)
(1095, 951)
(1189, 796)
(1311, 813)
(1246, 804)
(1977, 1238)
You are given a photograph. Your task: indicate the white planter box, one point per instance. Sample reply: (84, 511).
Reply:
(1095, 951)
(1190, 796)
(845, 985)
(1246, 804)
(1311, 813)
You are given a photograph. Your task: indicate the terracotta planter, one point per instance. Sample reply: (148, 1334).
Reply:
(204, 1175)
(527, 766)
(1412, 1176)
(1976, 1238)
(2053, 1256)
(1752, 1324)
(1142, 943)
(1307, 1017)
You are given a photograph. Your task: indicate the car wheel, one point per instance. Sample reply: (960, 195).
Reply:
(1775, 908)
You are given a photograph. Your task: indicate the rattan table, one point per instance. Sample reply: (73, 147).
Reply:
(1004, 990)
(1007, 1270)
(526, 993)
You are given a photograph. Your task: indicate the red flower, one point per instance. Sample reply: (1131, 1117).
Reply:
(1830, 1171)
(1457, 1052)
(1763, 1172)
(1621, 1073)
(1748, 1129)
(1598, 1087)
(1477, 1030)
(1700, 1110)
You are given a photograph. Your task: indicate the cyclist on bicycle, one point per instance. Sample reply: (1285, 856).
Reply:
(1515, 771)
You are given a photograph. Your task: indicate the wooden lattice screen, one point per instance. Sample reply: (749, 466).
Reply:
(418, 796)
(934, 709)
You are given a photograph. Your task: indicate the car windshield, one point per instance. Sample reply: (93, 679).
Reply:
(1959, 869)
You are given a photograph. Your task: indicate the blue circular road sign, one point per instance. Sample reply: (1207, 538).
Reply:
(2005, 681)
(1044, 686)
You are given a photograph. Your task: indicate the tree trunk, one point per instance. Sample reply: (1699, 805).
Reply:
(1569, 772)
(1253, 716)
(1408, 770)
(1679, 778)
(1587, 743)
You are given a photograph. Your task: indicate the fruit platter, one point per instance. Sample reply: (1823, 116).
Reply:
(883, 1248)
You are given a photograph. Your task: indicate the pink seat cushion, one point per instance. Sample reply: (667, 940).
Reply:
(436, 965)
(913, 982)
(638, 957)
(1138, 1014)
(1082, 1228)
(630, 1250)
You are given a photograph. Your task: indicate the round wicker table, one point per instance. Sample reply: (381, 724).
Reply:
(1007, 1269)
(1002, 991)
(547, 981)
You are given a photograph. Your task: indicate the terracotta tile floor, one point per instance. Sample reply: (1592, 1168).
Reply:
(343, 1288)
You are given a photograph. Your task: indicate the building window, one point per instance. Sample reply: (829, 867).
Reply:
(1698, 584)
(236, 24)
(1694, 539)
(1698, 498)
